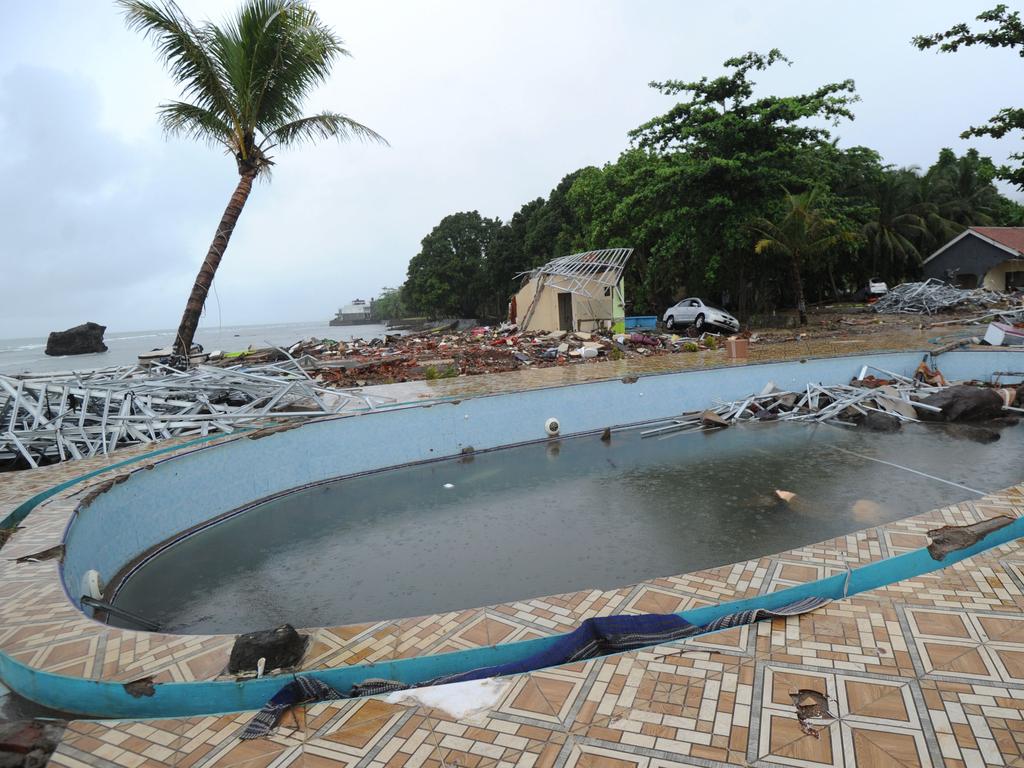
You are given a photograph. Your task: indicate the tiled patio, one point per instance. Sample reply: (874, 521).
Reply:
(928, 671)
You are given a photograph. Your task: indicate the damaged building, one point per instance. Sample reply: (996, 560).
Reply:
(581, 292)
(981, 257)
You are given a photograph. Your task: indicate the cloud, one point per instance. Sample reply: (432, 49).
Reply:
(88, 219)
(486, 105)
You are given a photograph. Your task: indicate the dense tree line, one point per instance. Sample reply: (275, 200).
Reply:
(741, 198)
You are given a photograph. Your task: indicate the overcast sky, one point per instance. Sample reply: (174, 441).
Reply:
(486, 105)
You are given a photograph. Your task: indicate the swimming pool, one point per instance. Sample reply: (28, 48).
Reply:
(549, 518)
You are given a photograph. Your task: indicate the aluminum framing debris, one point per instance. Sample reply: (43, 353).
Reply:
(66, 416)
(576, 272)
(933, 296)
(813, 404)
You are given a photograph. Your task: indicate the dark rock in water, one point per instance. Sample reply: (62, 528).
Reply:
(964, 403)
(281, 647)
(973, 433)
(881, 422)
(80, 340)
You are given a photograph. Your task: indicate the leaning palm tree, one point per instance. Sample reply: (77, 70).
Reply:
(802, 233)
(243, 85)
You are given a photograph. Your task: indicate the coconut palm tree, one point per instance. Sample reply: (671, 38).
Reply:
(905, 225)
(962, 188)
(803, 232)
(243, 85)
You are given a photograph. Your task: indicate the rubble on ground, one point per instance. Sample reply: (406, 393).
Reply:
(931, 296)
(29, 743)
(480, 350)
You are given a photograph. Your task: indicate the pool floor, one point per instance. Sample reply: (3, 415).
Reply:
(551, 518)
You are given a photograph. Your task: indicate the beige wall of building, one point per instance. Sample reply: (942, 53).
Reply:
(589, 314)
(995, 278)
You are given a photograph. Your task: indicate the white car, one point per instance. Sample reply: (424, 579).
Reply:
(877, 287)
(698, 314)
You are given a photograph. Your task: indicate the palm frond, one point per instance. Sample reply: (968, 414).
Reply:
(180, 118)
(185, 50)
(326, 125)
(244, 82)
(299, 51)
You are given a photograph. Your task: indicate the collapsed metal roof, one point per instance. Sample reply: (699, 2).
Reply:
(580, 272)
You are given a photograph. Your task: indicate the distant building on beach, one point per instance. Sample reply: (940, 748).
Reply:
(986, 257)
(358, 312)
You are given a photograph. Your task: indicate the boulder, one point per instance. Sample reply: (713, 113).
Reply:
(973, 433)
(880, 422)
(964, 403)
(282, 647)
(80, 340)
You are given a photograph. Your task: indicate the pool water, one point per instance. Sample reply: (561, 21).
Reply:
(550, 518)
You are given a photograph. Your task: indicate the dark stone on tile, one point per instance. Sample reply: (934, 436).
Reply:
(282, 647)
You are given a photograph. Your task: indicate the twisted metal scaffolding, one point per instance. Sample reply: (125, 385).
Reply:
(49, 417)
(933, 296)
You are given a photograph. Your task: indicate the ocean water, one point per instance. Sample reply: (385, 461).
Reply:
(26, 355)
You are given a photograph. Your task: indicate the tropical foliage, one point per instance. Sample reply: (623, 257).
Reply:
(803, 232)
(1001, 28)
(724, 196)
(243, 87)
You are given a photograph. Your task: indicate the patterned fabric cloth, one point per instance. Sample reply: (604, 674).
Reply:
(599, 636)
(603, 635)
(302, 689)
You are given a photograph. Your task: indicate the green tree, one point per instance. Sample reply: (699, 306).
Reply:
(389, 305)
(243, 86)
(801, 234)
(897, 233)
(446, 278)
(510, 255)
(635, 203)
(734, 152)
(962, 188)
(1005, 30)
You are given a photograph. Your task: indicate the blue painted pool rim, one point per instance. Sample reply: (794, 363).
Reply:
(110, 699)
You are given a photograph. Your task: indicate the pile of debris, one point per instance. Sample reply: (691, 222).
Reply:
(46, 418)
(480, 350)
(933, 296)
(880, 404)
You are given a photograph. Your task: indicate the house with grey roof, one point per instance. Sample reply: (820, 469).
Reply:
(987, 257)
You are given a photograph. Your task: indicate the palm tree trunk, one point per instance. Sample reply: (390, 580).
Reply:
(196, 299)
(798, 284)
(832, 281)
